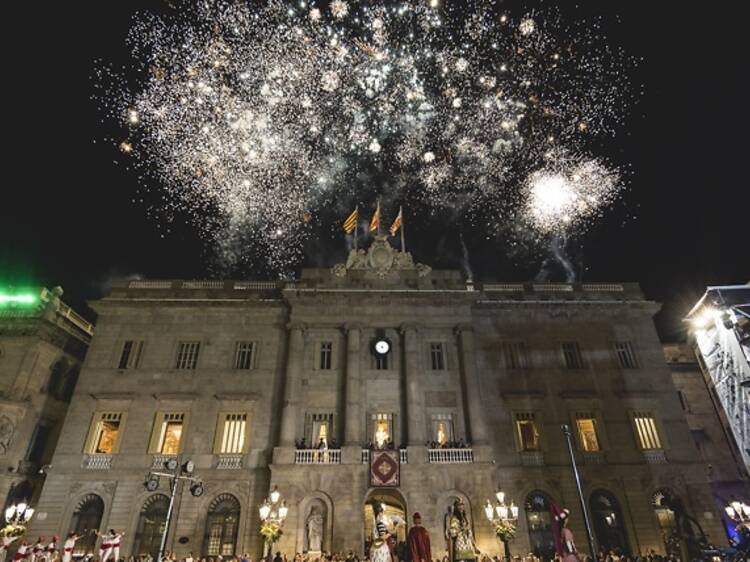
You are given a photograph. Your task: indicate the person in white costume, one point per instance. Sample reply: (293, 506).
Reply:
(7, 541)
(37, 551)
(69, 545)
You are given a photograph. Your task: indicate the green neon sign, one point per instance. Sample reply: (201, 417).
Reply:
(16, 299)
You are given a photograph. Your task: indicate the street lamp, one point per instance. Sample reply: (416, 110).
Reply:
(272, 512)
(17, 517)
(504, 518)
(176, 474)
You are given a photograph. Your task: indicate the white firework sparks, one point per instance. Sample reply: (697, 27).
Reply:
(257, 117)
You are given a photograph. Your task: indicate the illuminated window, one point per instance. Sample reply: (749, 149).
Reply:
(442, 429)
(244, 355)
(130, 357)
(437, 356)
(187, 355)
(528, 434)
(222, 526)
(319, 427)
(572, 355)
(515, 355)
(625, 355)
(587, 434)
(170, 433)
(326, 352)
(645, 427)
(105, 434)
(382, 429)
(233, 428)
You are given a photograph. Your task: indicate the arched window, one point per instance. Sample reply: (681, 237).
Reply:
(151, 524)
(539, 522)
(86, 518)
(221, 526)
(661, 501)
(609, 526)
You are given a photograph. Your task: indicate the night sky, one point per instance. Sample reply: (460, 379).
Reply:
(67, 215)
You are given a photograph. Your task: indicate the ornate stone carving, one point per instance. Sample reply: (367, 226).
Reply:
(7, 430)
(381, 259)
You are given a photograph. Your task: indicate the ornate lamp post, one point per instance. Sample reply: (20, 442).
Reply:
(273, 512)
(17, 517)
(504, 518)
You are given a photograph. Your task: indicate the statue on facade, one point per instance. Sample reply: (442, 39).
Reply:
(460, 537)
(7, 429)
(315, 530)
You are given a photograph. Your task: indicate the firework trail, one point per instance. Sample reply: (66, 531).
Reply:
(261, 120)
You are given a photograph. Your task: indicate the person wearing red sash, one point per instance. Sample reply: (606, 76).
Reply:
(69, 545)
(22, 552)
(7, 541)
(38, 550)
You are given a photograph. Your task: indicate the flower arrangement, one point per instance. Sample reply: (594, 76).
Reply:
(505, 530)
(271, 532)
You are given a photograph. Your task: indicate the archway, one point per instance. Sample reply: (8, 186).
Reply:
(151, 522)
(87, 517)
(394, 507)
(609, 525)
(539, 522)
(661, 501)
(222, 524)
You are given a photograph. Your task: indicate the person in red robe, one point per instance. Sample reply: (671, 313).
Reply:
(419, 541)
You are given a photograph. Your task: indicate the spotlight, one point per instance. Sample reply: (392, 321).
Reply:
(188, 467)
(171, 464)
(152, 484)
(197, 489)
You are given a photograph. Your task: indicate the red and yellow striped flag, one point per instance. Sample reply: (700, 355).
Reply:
(397, 222)
(375, 220)
(351, 222)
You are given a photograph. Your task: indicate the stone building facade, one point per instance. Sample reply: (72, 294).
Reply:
(472, 394)
(42, 345)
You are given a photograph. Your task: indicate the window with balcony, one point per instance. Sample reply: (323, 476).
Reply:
(442, 429)
(130, 357)
(382, 429)
(646, 430)
(104, 435)
(326, 356)
(572, 357)
(187, 355)
(437, 356)
(515, 355)
(232, 434)
(244, 355)
(588, 436)
(527, 432)
(168, 432)
(625, 355)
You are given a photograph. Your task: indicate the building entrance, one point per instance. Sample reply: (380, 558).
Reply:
(395, 518)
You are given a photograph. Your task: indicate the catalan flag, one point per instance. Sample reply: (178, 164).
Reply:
(375, 220)
(351, 222)
(397, 222)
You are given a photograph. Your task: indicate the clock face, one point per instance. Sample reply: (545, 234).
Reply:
(382, 347)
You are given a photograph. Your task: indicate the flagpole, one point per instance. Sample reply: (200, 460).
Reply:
(356, 228)
(403, 241)
(379, 217)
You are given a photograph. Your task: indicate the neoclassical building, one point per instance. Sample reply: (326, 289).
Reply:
(465, 386)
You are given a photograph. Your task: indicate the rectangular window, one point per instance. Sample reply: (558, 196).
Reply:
(515, 355)
(187, 355)
(528, 434)
(244, 355)
(106, 433)
(170, 434)
(319, 429)
(326, 353)
(437, 356)
(625, 355)
(130, 357)
(588, 436)
(233, 428)
(572, 355)
(645, 426)
(381, 362)
(442, 429)
(382, 433)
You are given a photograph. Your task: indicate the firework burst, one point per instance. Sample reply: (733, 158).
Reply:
(261, 118)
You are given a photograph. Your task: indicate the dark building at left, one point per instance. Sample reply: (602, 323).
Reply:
(42, 345)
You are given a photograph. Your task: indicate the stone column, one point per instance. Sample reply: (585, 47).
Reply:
(294, 363)
(414, 415)
(353, 386)
(472, 403)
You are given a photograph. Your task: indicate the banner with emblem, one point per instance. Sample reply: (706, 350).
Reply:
(385, 468)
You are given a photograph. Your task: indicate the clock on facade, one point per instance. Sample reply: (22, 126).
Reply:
(381, 345)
